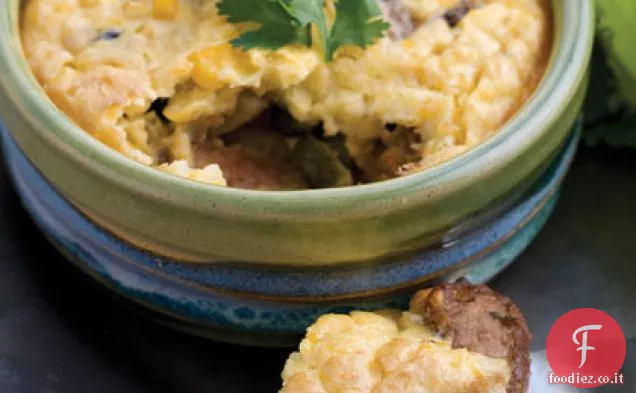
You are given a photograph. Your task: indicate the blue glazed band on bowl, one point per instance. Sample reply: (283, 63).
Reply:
(256, 305)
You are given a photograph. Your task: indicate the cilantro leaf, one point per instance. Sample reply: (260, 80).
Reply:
(284, 22)
(279, 27)
(312, 11)
(357, 23)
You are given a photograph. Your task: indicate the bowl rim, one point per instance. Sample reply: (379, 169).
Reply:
(573, 38)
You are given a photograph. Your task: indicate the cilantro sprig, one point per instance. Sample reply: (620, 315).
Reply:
(284, 22)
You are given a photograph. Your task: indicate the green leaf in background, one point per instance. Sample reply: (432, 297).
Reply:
(603, 100)
(610, 106)
(617, 29)
(608, 119)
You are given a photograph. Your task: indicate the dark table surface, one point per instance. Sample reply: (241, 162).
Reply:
(59, 333)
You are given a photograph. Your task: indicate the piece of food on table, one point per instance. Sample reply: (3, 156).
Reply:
(456, 338)
(166, 82)
(478, 319)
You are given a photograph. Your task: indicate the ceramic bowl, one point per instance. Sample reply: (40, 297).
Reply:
(258, 267)
(273, 307)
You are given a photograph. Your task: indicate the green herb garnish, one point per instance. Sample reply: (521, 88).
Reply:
(358, 22)
(284, 22)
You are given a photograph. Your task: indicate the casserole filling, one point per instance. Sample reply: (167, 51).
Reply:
(160, 82)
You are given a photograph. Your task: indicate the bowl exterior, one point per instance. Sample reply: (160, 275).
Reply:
(259, 306)
(192, 222)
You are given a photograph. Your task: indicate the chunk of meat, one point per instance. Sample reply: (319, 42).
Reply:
(243, 168)
(480, 320)
(399, 17)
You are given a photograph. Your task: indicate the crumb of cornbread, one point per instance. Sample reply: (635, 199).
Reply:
(210, 174)
(454, 86)
(387, 352)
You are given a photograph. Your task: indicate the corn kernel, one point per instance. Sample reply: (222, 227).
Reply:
(207, 63)
(408, 43)
(165, 9)
(88, 3)
(222, 65)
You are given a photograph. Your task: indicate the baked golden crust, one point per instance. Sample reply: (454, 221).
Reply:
(387, 352)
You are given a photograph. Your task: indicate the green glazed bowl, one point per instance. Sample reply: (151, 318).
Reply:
(194, 222)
